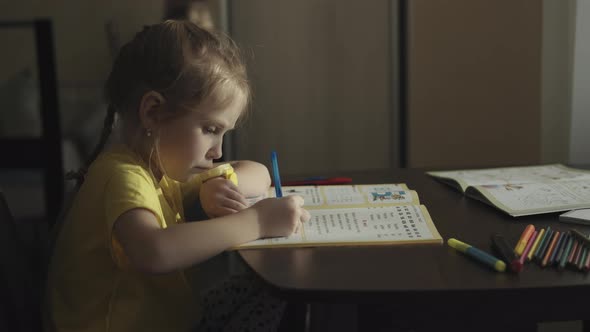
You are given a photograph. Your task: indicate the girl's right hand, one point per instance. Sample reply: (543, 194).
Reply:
(280, 216)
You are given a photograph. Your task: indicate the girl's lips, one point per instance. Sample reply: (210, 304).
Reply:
(200, 169)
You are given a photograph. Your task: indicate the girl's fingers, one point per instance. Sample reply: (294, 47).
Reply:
(233, 187)
(298, 199)
(227, 211)
(305, 216)
(297, 227)
(233, 204)
(236, 196)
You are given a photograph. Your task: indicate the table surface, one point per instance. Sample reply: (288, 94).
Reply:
(435, 274)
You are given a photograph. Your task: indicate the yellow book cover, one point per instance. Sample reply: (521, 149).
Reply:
(355, 215)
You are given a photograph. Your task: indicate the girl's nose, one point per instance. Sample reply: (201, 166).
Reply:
(215, 152)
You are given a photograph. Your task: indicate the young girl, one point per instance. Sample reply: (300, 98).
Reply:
(118, 261)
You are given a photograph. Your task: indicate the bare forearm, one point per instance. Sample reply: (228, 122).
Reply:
(253, 177)
(194, 242)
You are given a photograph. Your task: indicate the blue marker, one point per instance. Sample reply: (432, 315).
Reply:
(275, 173)
(477, 254)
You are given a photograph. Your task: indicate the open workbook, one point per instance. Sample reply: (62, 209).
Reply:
(526, 190)
(376, 214)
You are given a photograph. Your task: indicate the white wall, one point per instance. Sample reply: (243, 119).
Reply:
(580, 129)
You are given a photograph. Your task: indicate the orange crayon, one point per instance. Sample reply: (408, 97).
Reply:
(524, 239)
(551, 248)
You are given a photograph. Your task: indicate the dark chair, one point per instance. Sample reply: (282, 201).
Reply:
(21, 276)
(45, 152)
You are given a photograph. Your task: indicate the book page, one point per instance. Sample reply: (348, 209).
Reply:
(513, 175)
(355, 226)
(532, 198)
(349, 195)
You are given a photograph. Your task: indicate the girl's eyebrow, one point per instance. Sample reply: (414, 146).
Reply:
(219, 124)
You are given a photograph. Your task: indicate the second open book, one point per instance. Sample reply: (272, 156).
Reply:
(527, 190)
(376, 214)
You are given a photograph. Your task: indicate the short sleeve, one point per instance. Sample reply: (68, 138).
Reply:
(190, 189)
(128, 188)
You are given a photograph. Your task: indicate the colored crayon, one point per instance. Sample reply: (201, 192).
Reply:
(561, 249)
(573, 252)
(524, 239)
(544, 244)
(528, 247)
(576, 259)
(587, 263)
(536, 244)
(550, 249)
(580, 264)
(576, 253)
(558, 245)
(566, 253)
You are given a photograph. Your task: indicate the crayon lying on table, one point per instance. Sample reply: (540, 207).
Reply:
(587, 264)
(560, 249)
(539, 253)
(558, 244)
(536, 244)
(566, 253)
(524, 239)
(477, 254)
(550, 248)
(528, 247)
(573, 252)
(582, 259)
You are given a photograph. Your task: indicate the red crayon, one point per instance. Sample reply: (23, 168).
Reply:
(572, 258)
(524, 239)
(525, 253)
(587, 264)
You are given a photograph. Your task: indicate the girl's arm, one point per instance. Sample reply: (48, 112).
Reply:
(253, 177)
(152, 249)
(253, 180)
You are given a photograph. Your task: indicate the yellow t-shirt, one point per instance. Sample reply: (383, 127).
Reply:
(91, 286)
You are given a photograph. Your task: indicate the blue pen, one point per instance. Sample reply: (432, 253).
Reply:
(275, 173)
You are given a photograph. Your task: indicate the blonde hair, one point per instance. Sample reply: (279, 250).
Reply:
(185, 63)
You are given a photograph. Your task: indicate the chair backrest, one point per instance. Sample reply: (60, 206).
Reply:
(20, 281)
(44, 152)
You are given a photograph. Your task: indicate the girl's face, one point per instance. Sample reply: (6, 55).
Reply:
(188, 144)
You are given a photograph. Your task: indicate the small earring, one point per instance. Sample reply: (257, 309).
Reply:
(148, 133)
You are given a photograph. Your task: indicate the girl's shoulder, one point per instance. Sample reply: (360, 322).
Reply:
(119, 161)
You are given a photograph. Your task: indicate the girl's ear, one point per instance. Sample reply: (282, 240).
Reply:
(150, 107)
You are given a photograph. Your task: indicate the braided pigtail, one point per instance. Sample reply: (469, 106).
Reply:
(104, 137)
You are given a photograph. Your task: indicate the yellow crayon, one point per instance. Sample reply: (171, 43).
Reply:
(524, 238)
(536, 244)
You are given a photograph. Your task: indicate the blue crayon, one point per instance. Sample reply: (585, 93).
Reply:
(558, 244)
(546, 240)
(542, 243)
(566, 252)
(561, 249)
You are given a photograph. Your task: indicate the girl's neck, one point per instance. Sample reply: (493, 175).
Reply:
(145, 148)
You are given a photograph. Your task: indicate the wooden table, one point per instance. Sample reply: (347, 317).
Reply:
(430, 285)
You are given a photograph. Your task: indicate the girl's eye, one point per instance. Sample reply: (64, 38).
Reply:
(211, 130)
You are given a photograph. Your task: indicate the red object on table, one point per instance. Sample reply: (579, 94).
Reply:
(326, 181)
